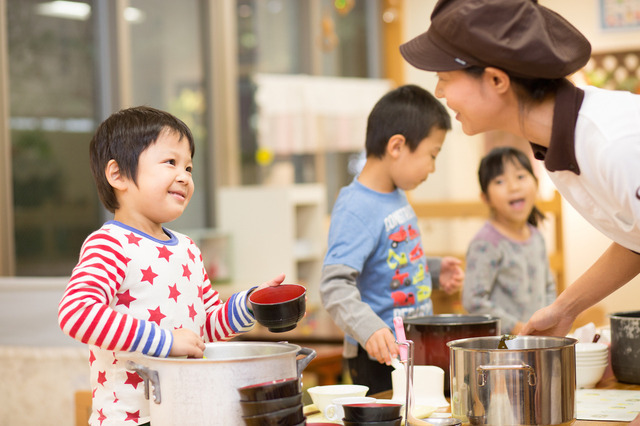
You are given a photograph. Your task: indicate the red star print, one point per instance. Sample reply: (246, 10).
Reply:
(92, 357)
(186, 272)
(173, 292)
(192, 312)
(191, 255)
(155, 315)
(127, 260)
(102, 417)
(201, 330)
(164, 252)
(133, 416)
(115, 398)
(125, 299)
(133, 379)
(133, 239)
(148, 275)
(102, 377)
(200, 292)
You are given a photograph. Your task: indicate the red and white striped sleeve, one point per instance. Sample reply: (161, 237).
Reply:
(225, 319)
(85, 314)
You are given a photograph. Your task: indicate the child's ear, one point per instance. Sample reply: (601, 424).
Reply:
(484, 198)
(114, 177)
(395, 145)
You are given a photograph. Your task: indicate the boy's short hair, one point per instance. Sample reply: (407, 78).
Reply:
(122, 137)
(410, 111)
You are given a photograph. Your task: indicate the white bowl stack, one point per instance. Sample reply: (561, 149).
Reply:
(591, 362)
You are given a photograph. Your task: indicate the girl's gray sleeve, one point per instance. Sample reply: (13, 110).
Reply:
(341, 298)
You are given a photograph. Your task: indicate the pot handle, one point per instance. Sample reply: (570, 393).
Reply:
(302, 363)
(148, 375)
(481, 370)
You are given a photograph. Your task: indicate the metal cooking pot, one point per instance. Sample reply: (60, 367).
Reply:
(202, 392)
(625, 346)
(533, 382)
(430, 335)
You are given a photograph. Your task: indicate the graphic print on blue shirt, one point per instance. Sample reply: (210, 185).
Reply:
(377, 235)
(410, 295)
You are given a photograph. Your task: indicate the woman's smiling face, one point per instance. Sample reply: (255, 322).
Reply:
(472, 98)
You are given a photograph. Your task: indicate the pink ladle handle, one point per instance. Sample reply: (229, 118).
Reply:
(398, 324)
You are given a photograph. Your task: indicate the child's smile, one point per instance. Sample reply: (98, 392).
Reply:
(163, 186)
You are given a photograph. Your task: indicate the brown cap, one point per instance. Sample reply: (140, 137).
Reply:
(520, 37)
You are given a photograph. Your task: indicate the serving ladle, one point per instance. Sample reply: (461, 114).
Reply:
(406, 357)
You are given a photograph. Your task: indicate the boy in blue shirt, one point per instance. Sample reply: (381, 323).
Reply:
(375, 268)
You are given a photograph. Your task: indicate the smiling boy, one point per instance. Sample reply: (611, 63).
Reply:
(138, 286)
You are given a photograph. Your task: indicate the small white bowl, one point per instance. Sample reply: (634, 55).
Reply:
(588, 376)
(323, 395)
(591, 348)
(604, 360)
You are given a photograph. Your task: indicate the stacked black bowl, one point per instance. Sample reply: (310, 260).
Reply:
(274, 403)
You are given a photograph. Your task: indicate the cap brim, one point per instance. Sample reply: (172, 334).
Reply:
(424, 54)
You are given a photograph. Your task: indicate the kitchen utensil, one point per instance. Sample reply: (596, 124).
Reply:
(443, 421)
(335, 410)
(588, 376)
(205, 391)
(625, 346)
(286, 416)
(428, 385)
(323, 395)
(279, 308)
(531, 383)
(273, 389)
(253, 408)
(430, 335)
(408, 353)
(393, 422)
(371, 412)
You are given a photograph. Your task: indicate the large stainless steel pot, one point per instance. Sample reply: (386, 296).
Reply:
(203, 392)
(430, 335)
(531, 383)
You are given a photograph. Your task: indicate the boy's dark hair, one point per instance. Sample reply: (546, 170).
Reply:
(122, 137)
(410, 111)
(492, 165)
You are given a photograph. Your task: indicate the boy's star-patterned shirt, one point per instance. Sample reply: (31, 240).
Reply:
(127, 293)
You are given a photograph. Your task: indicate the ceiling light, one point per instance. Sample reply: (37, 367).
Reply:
(81, 11)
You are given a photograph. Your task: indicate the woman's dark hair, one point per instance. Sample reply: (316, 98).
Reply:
(122, 137)
(410, 111)
(492, 165)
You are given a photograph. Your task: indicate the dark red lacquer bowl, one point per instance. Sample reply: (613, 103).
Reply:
(279, 308)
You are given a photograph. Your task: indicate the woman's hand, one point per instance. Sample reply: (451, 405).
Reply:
(549, 321)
